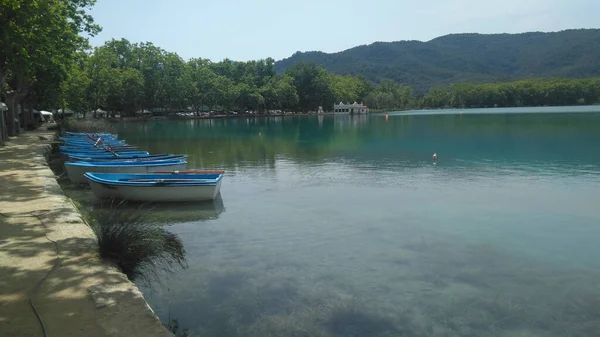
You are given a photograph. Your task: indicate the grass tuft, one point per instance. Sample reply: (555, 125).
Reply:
(175, 329)
(140, 248)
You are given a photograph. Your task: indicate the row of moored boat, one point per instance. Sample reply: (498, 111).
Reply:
(114, 169)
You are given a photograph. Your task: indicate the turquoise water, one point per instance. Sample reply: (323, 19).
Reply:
(342, 226)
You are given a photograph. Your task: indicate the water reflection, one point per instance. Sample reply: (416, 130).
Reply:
(165, 213)
(343, 122)
(494, 139)
(341, 226)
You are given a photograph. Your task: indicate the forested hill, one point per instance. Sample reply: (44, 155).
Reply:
(467, 58)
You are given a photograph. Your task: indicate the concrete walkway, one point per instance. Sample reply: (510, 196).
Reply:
(82, 296)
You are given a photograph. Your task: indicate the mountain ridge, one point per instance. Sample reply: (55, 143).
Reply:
(468, 57)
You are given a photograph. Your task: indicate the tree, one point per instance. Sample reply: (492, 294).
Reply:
(39, 36)
(287, 95)
(173, 82)
(202, 83)
(348, 88)
(280, 93)
(248, 97)
(149, 60)
(313, 85)
(100, 74)
(126, 91)
(223, 92)
(76, 88)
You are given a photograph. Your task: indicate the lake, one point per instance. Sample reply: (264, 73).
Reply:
(342, 225)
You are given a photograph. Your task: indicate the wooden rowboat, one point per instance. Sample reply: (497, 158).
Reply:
(104, 155)
(90, 135)
(193, 172)
(71, 148)
(155, 187)
(112, 158)
(76, 170)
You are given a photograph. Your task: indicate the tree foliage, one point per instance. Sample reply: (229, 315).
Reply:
(534, 92)
(391, 95)
(126, 77)
(38, 42)
(39, 38)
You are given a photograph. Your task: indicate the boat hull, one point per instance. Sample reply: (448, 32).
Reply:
(156, 193)
(76, 173)
(130, 154)
(73, 142)
(104, 191)
(91, 144)
(134, 159)
(97, 150)
(91, 134)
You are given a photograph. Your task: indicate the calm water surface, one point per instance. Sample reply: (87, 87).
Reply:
(342, 226)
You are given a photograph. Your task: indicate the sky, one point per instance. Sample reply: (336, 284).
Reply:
(257, 29)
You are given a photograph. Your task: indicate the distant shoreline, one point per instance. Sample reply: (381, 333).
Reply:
(176, 118)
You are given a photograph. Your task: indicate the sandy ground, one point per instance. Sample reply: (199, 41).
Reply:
(82, 296)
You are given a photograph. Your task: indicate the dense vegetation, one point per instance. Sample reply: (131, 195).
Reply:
(38, 39)
(466, 58)
(127, 77)
(46, 64)
(533, 92)
(538, 92)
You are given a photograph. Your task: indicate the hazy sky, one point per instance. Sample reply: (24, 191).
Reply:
(253, 29)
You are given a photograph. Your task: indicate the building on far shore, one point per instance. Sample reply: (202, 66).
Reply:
(351, 109)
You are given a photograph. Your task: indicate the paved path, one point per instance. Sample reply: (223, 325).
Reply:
(82, 296)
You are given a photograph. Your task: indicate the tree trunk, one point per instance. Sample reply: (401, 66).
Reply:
(25, 114)
(19, 97)
(64, 110)
(28, 111)
(2, 127)
(3, 77)
(10, 116)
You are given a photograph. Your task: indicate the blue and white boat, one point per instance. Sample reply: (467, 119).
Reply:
(104, 155)
(118, 154)
(89, 140)
(140, 160)
(94, 146)
(84, 142)
(155, 187)
(76, 170)
(153, 157)
(69, 148)
(91, 134)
